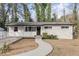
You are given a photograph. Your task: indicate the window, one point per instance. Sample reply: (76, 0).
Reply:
(25, 28)
(64, 26)
(47, 27)
(30, 28)
(33, 28)
(15, 29)
(7, 29)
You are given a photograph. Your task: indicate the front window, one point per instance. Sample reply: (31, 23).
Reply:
(25, 28)
(64, 27)
(30, 28)
(47, 27)
(15, 29)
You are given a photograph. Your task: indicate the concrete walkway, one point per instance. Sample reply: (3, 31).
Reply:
(43, 49)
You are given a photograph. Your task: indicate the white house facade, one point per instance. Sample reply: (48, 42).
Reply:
(31, 29)
(3, 33)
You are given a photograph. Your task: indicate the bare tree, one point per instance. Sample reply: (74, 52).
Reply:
(64, 14)
(55, 17)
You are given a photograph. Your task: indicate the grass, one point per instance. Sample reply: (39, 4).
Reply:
(23, 45)
(64, 47)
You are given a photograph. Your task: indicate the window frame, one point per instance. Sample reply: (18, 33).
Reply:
(26, 29)
(48, 27)
(64, 27)
(30, 29)
(15, 29)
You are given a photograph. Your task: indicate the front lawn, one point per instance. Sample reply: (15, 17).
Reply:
(64, 47)
(23, 45)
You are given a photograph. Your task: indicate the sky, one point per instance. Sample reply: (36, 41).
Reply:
(58, 8)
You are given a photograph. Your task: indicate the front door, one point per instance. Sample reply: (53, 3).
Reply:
(38, 30)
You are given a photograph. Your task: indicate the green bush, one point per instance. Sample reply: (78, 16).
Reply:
(5, 48)
(53, 37)
(46, 36)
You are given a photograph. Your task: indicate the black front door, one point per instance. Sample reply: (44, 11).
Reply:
(38, 30)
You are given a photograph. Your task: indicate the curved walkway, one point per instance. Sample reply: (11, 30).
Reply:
(43, 49)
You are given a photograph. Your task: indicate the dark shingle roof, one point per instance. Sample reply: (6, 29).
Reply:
(37, 23)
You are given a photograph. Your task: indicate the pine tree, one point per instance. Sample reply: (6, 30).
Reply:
(49, 12)
(14, 12)
(26, 13)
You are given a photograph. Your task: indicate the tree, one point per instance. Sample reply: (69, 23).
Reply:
(8, 12)
(52, 19)
(38, 13)
(76, 30)
(49, 12)
(75, 12)
(3, 15)
(64, 15)
(14, 12)
(26, 13)
(43, 9)
(55, 17)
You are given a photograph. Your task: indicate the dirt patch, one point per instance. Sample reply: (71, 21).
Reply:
(64, 47)
(23, 45)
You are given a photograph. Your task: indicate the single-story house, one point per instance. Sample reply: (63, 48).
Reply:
(31, 29)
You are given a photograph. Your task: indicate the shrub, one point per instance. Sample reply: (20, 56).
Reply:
(5, 48)
(45, 35)
(48, 37)
(54, 37)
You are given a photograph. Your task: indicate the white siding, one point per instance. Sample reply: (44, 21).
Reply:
(3, 34)
(29, 34)
(21, 32)
(62, 33)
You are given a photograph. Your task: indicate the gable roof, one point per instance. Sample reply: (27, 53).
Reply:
(37, 23)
